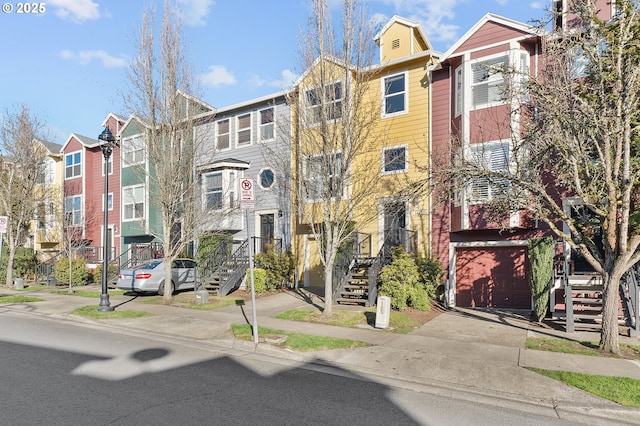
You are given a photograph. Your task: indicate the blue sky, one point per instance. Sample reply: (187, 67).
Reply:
(68, 63)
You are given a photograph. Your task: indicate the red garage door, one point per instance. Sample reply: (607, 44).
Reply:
(492, 277)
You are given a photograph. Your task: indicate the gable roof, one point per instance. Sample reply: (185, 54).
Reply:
(526, 29)
(404, 21)
(55, 149)
(86, 141)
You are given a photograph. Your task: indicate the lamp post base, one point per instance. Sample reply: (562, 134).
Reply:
(104, 306)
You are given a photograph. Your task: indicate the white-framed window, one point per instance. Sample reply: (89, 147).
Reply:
(322, 176)
(109, 201)
(73, 210)
(266, 178)
(212, 190)
(493, 157)
(73, 165)
(132, 151)
(394, 159)
(394, 94)
(133, 202)
(243, 129)
(222, 134)
(488, 85)
(267, 125)
(459, 90)
(327, 99)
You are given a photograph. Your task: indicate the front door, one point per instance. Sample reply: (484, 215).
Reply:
(266, 231)
(394, 223)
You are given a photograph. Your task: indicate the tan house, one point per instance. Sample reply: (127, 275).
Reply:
(46, 228)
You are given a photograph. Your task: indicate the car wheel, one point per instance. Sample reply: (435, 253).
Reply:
(161, 288)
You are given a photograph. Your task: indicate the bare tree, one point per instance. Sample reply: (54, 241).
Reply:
(576, 137)
(21, 163)
(161, 85)
(335, 114)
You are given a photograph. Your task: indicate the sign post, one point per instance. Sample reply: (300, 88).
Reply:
(248, 202)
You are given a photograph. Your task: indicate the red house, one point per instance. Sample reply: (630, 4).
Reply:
(83, 203)
(485, 260)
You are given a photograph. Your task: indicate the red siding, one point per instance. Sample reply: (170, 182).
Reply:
(490, 33)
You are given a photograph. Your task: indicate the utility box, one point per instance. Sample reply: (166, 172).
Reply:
(18, 283)
(202, 297)
(382, 312)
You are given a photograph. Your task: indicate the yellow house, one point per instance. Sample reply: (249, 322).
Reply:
(46, 229)
(363, 133)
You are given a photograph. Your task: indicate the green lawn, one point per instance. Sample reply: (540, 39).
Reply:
(88, 293)
(296, 341)
(18, 298)
(398, 322)
(580, 348)
(188, 300)
(622, 390)
(93, 313)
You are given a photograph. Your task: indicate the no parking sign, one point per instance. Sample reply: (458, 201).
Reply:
(247, 198)
(3, 224)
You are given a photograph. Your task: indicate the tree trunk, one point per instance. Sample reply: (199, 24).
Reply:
(610, 303)
(10, 261)
(168, 294)
(328, 290)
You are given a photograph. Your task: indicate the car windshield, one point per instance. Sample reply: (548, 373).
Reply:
(149, 265)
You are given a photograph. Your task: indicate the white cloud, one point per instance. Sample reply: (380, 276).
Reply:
(286, 80)
(85, 57)
(502, 2)
(538, 5)
(218, 75)
(194, 12)
(432, 14)
(76, 10)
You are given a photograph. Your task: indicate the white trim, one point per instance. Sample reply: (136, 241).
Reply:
(491, 17)
(260, 125)
(217, 134)
(405, 93)
(266, 188)
(146, 202)
(383, 163)
(125, 149)
(244, 129)
(81, 164)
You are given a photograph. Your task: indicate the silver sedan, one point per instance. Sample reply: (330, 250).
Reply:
(148, 277)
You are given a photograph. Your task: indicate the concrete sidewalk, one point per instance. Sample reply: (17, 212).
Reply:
(479, 352)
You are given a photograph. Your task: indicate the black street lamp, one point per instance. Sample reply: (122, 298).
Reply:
(108, 142)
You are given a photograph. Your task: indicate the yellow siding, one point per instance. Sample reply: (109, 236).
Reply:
(400, 33)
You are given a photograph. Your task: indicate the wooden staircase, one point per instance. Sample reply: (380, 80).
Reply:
(585, 295)
(356, 289)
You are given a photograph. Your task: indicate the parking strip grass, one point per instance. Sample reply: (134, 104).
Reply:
(88, 293)
(622, 390)
(296, 341)
(398, 323)
(92, 312)
(188, 300)
(18, 298)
